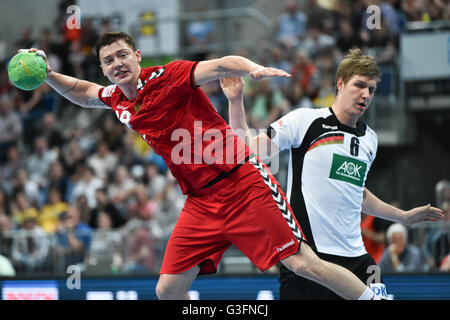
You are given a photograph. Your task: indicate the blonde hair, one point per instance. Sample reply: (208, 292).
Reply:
(355, 63)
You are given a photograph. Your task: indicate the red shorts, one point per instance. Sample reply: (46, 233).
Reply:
(247, 209)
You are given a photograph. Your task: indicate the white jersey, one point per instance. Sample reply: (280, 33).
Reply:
(328, 167)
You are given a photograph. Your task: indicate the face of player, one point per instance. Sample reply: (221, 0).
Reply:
(120, 64)
(356, 94)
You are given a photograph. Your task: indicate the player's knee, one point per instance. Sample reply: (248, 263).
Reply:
(164, 291)
(305, 263)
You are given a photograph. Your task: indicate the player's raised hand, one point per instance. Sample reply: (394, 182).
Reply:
(41, 54)
(424, 213)
(268, 72)
(233, 88)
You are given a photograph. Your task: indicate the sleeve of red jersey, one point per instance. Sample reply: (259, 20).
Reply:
(105, 94)
(180, 75)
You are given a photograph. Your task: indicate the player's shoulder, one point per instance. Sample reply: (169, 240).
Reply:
(152, 72)
(371, 133)
(108, 91)
(370, 136)
(309, 114)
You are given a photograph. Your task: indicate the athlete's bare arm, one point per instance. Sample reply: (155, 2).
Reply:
(374, 206)
(80, 92)
(233, 66)
(261, 144)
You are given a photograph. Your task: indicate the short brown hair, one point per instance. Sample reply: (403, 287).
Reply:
(355, 63)
(110, 37)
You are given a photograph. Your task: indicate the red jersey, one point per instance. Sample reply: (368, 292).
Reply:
(177, 120)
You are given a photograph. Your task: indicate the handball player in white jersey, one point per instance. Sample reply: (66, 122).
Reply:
(331, 151)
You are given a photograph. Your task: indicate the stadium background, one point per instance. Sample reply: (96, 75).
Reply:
(45, 141)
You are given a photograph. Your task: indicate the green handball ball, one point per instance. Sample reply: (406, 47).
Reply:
(27, 70)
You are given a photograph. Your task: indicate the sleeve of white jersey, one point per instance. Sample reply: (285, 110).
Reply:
(290, 129)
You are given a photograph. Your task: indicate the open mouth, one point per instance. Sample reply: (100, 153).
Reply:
(121, 73)
(362, 105)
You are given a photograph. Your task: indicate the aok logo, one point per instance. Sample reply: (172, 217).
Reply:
(348, 169)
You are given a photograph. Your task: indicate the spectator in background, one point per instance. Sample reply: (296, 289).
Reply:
(435, 10)
(40, 160)
(30, 248)
(326, 66)
(5, 85)
(200, 34)
(154, 181)
(437, 240)
(52, 210)
(73, 238)
(46, 45)
(316, 42)
(373, 232)
(10, 126)
(129, 155)
(26, 38)
(87, 186)
(280, 62)
(52, 133)
(346, 37)
(5, 206)
(22, 209)
(139, 247)
(390, 15)
(316, 10)
(121, 188)
(268, 105)
(72, 157)
(10, 170)
(400, 256)
(168, 207)
(413, 9)
(112, 132)
(139, 253)
(41, 101)
(105, 249)
(106, 206)
(81, 203)
(103, 161)
(57, 178)
(305, 80)
(29, 187)
(143, 206)
(6, 229)
(291, 26)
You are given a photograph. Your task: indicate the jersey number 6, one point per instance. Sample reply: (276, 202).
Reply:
(354, 147)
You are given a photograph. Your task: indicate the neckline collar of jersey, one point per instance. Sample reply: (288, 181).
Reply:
(358, 131)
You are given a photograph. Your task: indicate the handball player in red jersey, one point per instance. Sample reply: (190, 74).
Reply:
(232, 198)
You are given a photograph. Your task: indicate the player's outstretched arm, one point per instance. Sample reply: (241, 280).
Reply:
(376, 207)
(233, 66)
(80, 92)
(233, 88)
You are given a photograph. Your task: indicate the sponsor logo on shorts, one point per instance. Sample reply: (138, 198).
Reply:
(348, 169)
(286, 245)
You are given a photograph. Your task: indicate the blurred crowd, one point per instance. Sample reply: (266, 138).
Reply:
(78, 187)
